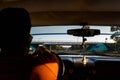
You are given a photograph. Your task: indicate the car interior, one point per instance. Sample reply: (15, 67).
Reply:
(85, 34)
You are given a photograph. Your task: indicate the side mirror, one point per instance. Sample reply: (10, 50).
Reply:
(83, 32)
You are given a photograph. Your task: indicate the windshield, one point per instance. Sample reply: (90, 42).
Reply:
(56, 39)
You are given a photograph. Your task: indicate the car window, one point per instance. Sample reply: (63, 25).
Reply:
(56, 39)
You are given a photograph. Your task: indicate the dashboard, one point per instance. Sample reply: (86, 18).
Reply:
(94, 68)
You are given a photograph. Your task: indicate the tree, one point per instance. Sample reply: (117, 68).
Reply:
(116, 36)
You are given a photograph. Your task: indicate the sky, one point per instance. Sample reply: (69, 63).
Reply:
(68, 38)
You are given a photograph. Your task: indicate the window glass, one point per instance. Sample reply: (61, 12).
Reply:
(56, 39)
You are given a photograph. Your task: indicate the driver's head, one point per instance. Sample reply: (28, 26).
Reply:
(15, 28)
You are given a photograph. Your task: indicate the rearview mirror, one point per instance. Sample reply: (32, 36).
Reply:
(83, 32)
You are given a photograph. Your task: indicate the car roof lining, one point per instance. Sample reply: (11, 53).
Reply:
(75, 18)
(69, 12)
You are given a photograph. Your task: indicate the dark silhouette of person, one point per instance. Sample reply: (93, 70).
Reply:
(15, 63)
(15, 29)
(15, 40)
